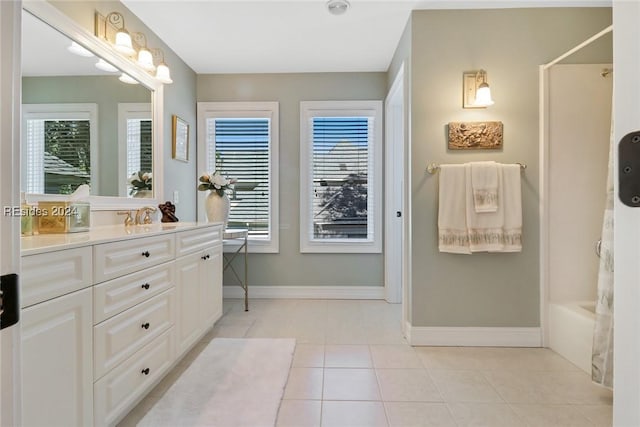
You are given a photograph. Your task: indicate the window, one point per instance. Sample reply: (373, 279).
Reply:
(135, 142)
(240, 139)
(59, 147)
(340, 175)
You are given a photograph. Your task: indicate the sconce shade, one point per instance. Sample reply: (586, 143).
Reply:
(163, 74)
(483, 95)
(123, 43)
(145, 59)
(79, 50)
(105, 66)
(126, 78)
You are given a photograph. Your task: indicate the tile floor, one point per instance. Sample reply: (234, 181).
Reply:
(352, 367)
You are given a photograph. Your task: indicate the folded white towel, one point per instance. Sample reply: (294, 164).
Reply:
(485, 229)
(512, 203)
(484, 182)
(452, 227)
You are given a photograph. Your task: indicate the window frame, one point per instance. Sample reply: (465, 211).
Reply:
(63, 111)
(268, 110)
(309, 110)
(126, 111)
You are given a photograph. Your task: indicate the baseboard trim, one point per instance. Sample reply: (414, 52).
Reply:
(307, 292)
(475, 336)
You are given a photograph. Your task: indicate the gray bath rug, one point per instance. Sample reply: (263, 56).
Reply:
(232, 382)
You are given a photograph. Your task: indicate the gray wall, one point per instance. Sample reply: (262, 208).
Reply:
(483, 289)
(179, 99)
(290, 267)
(107, 92)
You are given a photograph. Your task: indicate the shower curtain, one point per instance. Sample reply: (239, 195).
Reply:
(602, 355)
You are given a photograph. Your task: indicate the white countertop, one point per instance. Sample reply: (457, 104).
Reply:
(30, 245)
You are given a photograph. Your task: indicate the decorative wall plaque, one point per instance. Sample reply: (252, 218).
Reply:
(475, 135)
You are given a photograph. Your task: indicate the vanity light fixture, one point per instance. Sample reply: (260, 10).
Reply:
(79, 50)
(123, 39)
(145, 58)
(162, 72)
(338, 7)
(126, 78)
(105, 66)
(476, 91)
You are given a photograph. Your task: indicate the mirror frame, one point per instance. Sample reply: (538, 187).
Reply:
(52, 16)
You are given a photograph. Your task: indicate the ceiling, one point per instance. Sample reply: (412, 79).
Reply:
(267, 36)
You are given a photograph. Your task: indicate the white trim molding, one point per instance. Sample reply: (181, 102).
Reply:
(306, 292)
(474, 336)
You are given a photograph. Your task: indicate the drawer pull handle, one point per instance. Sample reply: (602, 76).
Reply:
(145, 371)
(145, 325)
(205, 257)
(145, 286)
(146, 254)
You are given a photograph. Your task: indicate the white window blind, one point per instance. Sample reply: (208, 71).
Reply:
(240, 141)
(139, 148)
(239, 148)
(340, 171)
(59, 147)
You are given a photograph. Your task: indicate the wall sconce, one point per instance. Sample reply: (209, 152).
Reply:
(79, 50)
(145, 58)
(162, 72)
(134, 48)
(476, 92)
(122, 39)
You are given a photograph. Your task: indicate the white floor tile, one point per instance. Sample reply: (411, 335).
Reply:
(407, 385)
(350, 384)
(299, 413)
(304, 383)
(347, 356)
(353, 414)
(465, 386)
(418, 414)
(308, 356)
(401, 356)
(485, 414)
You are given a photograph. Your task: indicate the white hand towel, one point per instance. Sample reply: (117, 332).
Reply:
(485, 229)
(512, 203)
(484, 181)
(452, 227)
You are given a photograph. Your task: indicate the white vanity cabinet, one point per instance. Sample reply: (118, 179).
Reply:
(198, 270)
(112, 320)
(56, 335)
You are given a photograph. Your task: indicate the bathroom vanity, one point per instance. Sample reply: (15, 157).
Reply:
(107, 313)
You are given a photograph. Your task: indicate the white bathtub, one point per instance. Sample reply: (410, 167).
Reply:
(570, 329)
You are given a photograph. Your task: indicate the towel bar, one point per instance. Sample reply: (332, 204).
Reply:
(434, 167)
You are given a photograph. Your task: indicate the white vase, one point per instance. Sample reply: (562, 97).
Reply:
(147, 194)
(217, 207)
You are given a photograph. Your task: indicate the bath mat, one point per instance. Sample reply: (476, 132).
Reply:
(232, 382)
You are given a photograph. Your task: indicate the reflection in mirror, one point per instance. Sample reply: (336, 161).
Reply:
(81, 124)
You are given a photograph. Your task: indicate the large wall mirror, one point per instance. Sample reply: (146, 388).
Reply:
(81, 123)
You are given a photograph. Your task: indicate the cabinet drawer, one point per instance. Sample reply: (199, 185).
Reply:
(120, 389)
(49, 275)
(196, 240)
(119, 337)
(117, 295)
(116, 259)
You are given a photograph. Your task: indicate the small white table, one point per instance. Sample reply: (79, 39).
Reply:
(238, 236)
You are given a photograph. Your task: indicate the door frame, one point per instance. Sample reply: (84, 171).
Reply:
(397, 138)
(10, 96)
(626, 107)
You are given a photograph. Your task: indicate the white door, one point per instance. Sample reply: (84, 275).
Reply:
(626, 380)
(394, 188)
(10, 13)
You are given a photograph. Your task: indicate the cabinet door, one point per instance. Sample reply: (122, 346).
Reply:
(188, 292)
(57, 375)
(211, 286)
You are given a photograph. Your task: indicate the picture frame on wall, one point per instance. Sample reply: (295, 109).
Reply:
(180, 146)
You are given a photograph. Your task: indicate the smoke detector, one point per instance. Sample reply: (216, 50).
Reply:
(337, 7)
